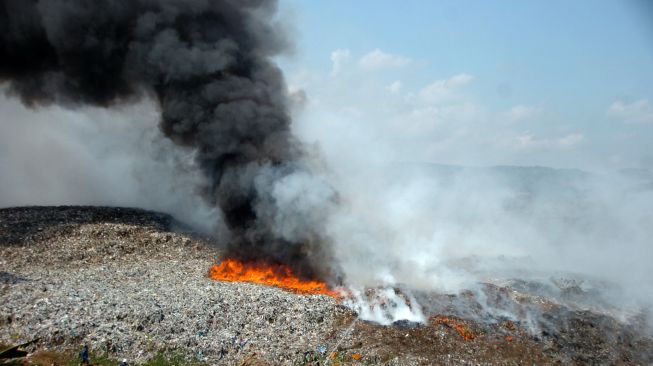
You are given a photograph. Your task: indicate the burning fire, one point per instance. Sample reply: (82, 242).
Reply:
(452, 323)
(272, 275)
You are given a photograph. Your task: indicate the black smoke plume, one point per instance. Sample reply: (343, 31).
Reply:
(207, 64)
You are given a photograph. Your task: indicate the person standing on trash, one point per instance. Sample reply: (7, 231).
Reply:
(123, 362)
(83, 355)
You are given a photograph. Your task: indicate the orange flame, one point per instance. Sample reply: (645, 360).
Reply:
(459, 326)
(272, 275)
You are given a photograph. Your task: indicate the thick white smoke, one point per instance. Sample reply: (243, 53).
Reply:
(404, 222)
(97, 156)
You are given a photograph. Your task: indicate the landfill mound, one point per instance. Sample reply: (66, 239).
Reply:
(133, 283)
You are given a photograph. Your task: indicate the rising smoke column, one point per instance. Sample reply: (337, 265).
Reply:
(207, 63)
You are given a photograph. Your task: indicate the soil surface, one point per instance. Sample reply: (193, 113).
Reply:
(133, 283)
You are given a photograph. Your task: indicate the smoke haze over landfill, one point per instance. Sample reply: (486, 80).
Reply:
(367, 167)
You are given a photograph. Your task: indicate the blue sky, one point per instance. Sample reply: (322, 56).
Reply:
(557, 83)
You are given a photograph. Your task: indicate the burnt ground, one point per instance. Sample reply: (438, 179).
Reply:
(132, 283)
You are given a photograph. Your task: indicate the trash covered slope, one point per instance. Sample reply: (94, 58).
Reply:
(133, 283)
(120, 281)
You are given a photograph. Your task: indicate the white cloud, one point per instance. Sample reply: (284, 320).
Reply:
(639, 111)
(339, 58)
(527, 141)
(433, 122)
(571, 140)
(395, 87)
(377, 60)
(444, 89)
(520, 113)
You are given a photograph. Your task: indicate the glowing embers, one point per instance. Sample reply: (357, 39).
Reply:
(456, 324)
(272, 275)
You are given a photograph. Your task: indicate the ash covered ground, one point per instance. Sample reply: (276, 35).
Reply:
(134, 283)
